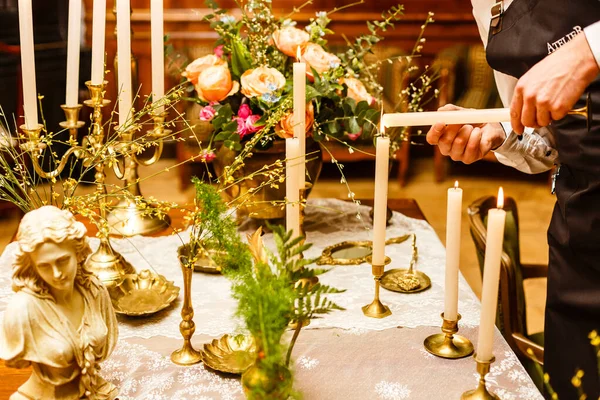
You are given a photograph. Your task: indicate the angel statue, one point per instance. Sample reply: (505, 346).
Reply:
(60, 320)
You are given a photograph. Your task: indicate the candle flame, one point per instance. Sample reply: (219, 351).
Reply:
(455, 184)
(298, 53)
(500, 198)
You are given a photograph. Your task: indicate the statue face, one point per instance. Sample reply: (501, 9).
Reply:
(56, 264)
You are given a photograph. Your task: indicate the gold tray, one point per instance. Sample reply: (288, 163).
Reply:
(389, 281)
(229, 355)
(143, 294)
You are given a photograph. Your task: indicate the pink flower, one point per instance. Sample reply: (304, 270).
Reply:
(248, 125)
(207, 113)
(219, 51)
(354, 136)
(244, 111)
(207, 155)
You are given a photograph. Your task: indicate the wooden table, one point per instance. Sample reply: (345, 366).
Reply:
(11, 379)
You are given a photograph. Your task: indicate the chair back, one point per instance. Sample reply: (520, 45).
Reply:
(511, 317)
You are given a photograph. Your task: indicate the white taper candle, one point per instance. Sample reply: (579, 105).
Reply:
(299, 97)
(491, 279)
(380, 199)
(98, 28)
(453, 231)
(158, 58)
(446, 117)
(73, 49)
(124, 60)
(28, 64)
(292, 190)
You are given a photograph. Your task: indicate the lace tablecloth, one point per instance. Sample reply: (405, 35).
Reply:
(327, 222)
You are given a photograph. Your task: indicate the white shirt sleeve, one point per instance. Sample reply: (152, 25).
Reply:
(592, 34)
(534, 151)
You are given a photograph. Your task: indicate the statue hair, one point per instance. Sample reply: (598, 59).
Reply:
(48, 224)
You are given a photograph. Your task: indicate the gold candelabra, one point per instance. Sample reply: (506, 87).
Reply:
(105, 262)
(377, 309)
(448, 344)
(481, 392)
(129, 217)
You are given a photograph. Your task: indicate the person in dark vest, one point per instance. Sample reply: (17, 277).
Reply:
(546, 60)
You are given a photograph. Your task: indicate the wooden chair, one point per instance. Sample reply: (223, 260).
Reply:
(511, 317)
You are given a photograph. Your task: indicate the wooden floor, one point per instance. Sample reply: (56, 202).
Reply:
(481, 179)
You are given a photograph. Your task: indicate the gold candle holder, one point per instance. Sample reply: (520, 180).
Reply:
(448, 344)
(377, 309)
(129, 218)
(186, 355)
(72, 122)
(105, 262)
(481, 392)
(303, 192)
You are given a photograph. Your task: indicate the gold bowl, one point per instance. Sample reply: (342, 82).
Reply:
(405, 281)
(230, 354)
(143, 294)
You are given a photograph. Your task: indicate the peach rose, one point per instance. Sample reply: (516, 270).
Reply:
(316, 57)
(215, 84)
(195, 68)
(261, 80)
(289, 39)
(285, 127)
(357, 90)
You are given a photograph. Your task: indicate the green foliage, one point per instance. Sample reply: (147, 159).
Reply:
(270, 295)
(213, 229)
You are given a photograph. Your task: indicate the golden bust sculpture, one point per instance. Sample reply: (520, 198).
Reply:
(60, 320)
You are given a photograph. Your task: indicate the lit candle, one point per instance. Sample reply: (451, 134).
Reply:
(491, 279)
(124, 60)
(292, 191)
(73, 47)
(446, 117)
(380, 200)
(158, 58)
(28, 64)
(98, 27)
(453, 225)
(299, 97)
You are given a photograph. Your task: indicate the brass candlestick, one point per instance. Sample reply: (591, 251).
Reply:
(481, 392)
(129, 218)
(376, 309)
(303, 192)
(448, 344)
(186, 355)
(105, 262)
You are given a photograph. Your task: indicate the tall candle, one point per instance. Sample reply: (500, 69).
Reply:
(124, 60)
(73, 47)
(453, 225)
(491, 279)
(158, 58)
(447, 117)
(380, 200)
(98, 28)
(28, 64)
(292, 190)
(299, 97)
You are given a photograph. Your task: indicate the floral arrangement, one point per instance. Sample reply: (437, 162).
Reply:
(245, 87)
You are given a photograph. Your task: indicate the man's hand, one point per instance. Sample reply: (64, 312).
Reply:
(466, 143)
(551, 88)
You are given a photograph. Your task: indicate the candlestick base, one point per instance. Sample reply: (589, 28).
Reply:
(481, 392)
(448, 344)
(127, 219)
(108, 265)
(377, 309)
